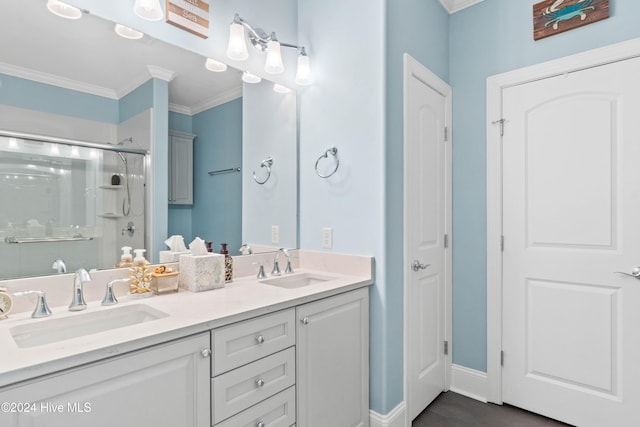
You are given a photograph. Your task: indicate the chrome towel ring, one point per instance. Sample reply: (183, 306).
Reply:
(333, 151)
(266, 163)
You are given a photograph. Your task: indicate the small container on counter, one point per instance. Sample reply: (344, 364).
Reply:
(164, 280)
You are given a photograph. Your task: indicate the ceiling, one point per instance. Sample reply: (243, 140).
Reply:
(88, 55)
(456, 5)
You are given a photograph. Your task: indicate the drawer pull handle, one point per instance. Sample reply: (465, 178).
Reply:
(260, 382)
(305, 320)
(259, 339)
(260, 424)
(205, 352)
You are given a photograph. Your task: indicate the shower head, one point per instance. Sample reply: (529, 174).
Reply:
(124, 159)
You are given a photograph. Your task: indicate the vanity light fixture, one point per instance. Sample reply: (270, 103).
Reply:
(148, 9)
(128, 33)
(247, 77)
(237, 49)
(280, 89)
(215, 66)
(63, 10)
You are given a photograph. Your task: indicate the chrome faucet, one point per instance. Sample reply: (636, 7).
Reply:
(59, 266)
(276, 267)
(77, 301)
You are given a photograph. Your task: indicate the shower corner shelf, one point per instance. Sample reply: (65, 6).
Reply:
(110, 215)
(111, 187)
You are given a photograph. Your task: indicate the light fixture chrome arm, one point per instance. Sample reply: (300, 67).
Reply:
(260, 38)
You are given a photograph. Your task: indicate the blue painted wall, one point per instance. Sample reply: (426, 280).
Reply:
(138, 100)
(486, 39)
(217, 200)
(32, 95)
(431, 48)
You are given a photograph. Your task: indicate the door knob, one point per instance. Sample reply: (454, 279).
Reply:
(417, 266)
(635, 273)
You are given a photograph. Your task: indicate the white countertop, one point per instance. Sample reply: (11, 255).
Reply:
(189, 313)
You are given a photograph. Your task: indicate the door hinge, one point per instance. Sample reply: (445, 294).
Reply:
(502, 243)
(501, 123)
(446, 133)
(501, 358)
(446, 348)
(446, 241)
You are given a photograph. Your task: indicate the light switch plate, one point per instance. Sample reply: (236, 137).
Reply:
(275, 234)
(327, 238)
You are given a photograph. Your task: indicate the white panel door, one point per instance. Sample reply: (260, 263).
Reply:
(571, 192)
(426, 224)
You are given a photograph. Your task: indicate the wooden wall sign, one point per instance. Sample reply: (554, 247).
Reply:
(190, 15)
(552, 17)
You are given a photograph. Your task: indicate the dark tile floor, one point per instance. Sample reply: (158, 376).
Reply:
(454, 410)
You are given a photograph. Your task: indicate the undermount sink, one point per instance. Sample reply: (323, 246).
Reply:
(297, 280)
(53, 330)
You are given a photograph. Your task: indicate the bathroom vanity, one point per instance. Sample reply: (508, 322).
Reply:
(289, 350)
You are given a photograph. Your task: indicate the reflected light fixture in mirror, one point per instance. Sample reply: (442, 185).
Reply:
(148, 9)
(63, 10)
(215, 66)
(247, 77)
(128, 33)
(237, 49)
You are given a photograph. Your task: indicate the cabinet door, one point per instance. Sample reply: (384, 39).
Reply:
(165, 385)
(180, 169)
(333, 361)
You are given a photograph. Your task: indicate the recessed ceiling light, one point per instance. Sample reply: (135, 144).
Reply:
(128, 33)
(215, 66)
(280, 89)
(63, 10)
(247, 77)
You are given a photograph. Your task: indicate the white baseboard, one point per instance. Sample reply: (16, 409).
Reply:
(395, 418)
(469, 382)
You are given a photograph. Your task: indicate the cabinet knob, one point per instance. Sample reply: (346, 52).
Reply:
(305, 320)
(260, 382)
(259, 339)
(205, 352)
(260, 424)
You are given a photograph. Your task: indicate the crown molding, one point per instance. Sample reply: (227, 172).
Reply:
(161, 73)
(50, 79)
(454, 6)
(182, 109)
(223, 98)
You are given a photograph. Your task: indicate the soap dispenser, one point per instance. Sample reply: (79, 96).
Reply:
(140, 275)
(228, 263)
(125, 259)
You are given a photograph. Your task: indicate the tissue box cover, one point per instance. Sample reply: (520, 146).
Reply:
(170, 256)
(201, 272)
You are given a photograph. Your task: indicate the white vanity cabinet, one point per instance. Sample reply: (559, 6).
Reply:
(164, 385)
(333, 361)
(180, 168)
(253, 369)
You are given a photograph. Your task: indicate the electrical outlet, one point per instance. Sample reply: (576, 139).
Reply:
(327, 238)
(275, 234)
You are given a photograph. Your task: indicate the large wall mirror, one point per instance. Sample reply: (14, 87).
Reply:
(79, 80)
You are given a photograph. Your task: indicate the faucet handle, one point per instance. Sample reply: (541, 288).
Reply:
(110, 296)
(261, 274)
(41, 309)
(276, 268)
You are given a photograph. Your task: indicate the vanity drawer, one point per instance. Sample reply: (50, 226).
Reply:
(276, 411)
(241, 388)
(244, 342)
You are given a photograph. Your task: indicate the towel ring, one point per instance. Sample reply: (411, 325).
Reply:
(333, 151)
(266, 163)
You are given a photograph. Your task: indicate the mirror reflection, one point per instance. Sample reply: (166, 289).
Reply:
(80, 80)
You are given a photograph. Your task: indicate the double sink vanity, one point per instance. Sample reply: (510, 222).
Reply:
(277, 351)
